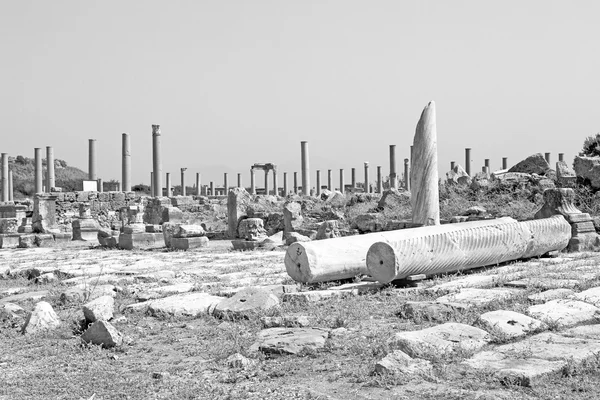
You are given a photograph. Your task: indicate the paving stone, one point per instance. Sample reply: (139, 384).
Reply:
(552, 294)
(173, 289)
(399, 363)
(41, 318)
(591, 296)
(158, 276)
(361, 287)
(544, 283)
(312, 296)
(40, 294)
(471, 281)
(565, 313)
(480, 297)
(285, 321)
(99, 309)
(189, 243)
(525, 361)
(85, 292)
(432, 311)
(246, 303)
(102, 333)
(193, 304)
(510, 324)
(440, 341)
(584, 332)
(290, 340)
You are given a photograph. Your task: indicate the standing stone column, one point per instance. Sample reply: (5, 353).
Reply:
(10, 185)
(424, 175)
(285, 185)
(561, 156)
(305, 169)
(353, 178)
(547, 157)
(295, 183)
(329, 179)
(452, 164)
(157, 160)
(226, 183)
(504, 162)
(183, 181)
(393, 174)
(411, 157)
(486, 163)
(366, 177)
(168, 184)
(100, 187)
(266, 182)
(379, 182)
(239, 181)
(275, 187)
(318, 192)
(151, 183)
(198, 187)
(92, 176)
(126, 163)
(50, 181)
(342, 180)
(37, 153)
(468, 161)
(4, 177)
(252, 184)
(406, 175)
(212, 188)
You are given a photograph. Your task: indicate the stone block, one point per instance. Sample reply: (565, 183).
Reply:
(103, 334)
(82, 196)
(189, 243)
(252, 229)
(243, 245)
(117, 196)
(9, 225)
(104, 197)
(44, 239)
(290, 340)
(101, 308)
(134, 228)
(153, 228)
(62, 237)
(188, 231)
(237, 203)
(41, 318)
(565, 313)
(534, 164)
(27, 240)
(171, 214)
(70, 196)
(9, 241)
(246, 303)
(141, 240)
(292, 217)
(85, 229)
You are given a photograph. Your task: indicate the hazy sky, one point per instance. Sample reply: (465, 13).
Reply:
(234, 83)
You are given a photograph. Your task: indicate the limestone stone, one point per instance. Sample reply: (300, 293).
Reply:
(46, 278)
(9, 241)
(312, 296)
(237, 203)
(591, 296)
(458, 176)
(101, 308)
(432, 311)
(35, 296)
(440, 341)
(399, 363)
(41, 318)
(9, 225)
(102, 333)
(479, 297)
(85, 292)
(565, 313)
(285, 321)
(392, 198)
(141, 240)
(188, 243)
(534, 164)
(470, 281)
(328, 230)
(188, 231)
(370, 222)
(192, 304)
(565, 175)
(85, 229)
(44, 213)
(246, 303)
(243, 244)
(542, 282)
(552, 294)
(337, 200)
(27, 241)
(239, 361)
(294, 237)
(44, 239)
(512, 178)
(252, 229)
(168, 230)
(481, 180)
(290, 340)
(292, 217)
(134, 228)
(510, 324)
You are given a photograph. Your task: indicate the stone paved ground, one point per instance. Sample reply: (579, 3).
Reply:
(553, 322)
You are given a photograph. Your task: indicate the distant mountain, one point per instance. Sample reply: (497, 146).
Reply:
(23, 169)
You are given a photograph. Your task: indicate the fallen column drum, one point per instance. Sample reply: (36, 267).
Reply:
(345, 257)
(431, 250)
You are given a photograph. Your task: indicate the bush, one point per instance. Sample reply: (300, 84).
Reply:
(591, 146)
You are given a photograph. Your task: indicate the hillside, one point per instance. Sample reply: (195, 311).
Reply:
(23, 168)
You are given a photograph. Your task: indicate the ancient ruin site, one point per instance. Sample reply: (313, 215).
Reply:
(479, 285)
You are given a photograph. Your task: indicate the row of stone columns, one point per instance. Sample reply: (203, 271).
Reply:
(486, 167)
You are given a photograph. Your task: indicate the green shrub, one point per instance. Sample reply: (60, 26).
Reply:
(591, 146)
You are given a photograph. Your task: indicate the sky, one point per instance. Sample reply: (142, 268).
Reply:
(233, 83)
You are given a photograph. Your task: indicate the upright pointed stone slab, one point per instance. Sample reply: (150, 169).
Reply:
(424, 173)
